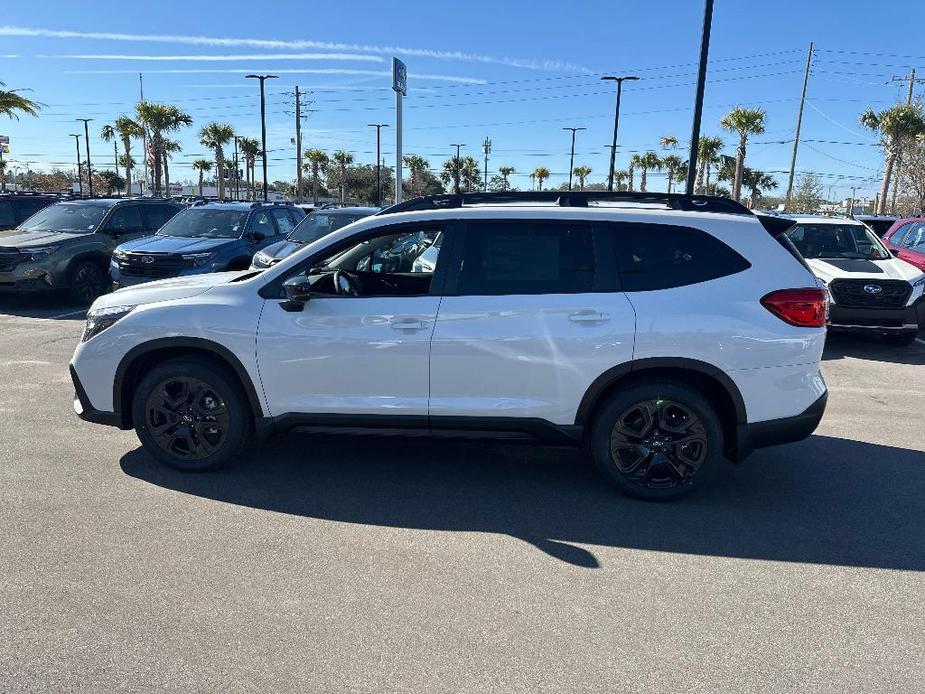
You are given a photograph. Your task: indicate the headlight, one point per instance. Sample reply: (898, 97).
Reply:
(39, 253)
(825, 285)
(102, 318)
(919, 286)
(119, 255)
(198, 259)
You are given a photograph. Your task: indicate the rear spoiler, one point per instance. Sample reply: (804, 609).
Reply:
(774, 224)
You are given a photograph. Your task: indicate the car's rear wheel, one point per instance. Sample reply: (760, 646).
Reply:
(191, 414)
(657, 440)
(900, 339)
(86, 281)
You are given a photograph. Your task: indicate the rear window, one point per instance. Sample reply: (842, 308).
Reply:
(661, 256)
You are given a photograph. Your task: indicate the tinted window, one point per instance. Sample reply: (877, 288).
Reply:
(6, 213)
(837, 241)
(157, 215)
(204, 222)
(72, 217)
(915, 238)
(262, 224)
(319, 224)
(659, 256)
(283, 221)
(23, 209)
(526, 257)
(126, 218)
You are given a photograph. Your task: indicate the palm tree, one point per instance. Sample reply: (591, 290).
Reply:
(708, 149)
(168, 147)
(540, 173)
(470, 175)
(649, 161)
(674, 168)
(12, 103)
(128, 130)
(317, 161)
(757, 182)
(250, 150)
(215, 136)
(895, 125)
(416, 165)
(108, 134)
(505, 172)
(635, 160)
(668, 142)
(533, 180)
(160, 119)
(582, 172)
(342, 159)
(202, 165)
(619, 176)
(745, 122)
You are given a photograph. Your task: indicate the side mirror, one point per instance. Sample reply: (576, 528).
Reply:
(298, 292)
(894, 252)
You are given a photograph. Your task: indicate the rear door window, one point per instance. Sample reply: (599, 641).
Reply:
(283, 220)
(157, 215)
(125, 219)
(262, 224)
(661, 256)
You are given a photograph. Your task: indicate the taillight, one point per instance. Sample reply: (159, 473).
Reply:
(805, 308)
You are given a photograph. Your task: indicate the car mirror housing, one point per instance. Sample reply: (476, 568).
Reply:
(298, 291)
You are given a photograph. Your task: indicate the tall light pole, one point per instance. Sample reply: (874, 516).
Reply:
(263, 124)
(486, 147)
(698, 99)
(87, 143)
(458, 147)
(378, 127)
(237, 177)
(571, 161)
(616, 122)
(80, 184)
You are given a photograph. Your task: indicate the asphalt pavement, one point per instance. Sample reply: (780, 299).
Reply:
(323, 564)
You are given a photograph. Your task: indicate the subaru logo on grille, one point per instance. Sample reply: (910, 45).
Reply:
(148, 259)
(873, 288)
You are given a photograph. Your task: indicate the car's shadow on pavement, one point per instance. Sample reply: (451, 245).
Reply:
(872, 348)
(56, 305)
(825, 501)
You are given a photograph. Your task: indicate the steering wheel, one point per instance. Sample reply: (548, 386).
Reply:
(346, 284)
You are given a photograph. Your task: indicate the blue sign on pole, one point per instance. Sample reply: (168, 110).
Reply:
(399, 77)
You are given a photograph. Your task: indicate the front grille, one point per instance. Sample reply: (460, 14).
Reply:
(9, 259)
(161, 265)
(852, 293)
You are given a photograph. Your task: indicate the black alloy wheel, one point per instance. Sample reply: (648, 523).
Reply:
(86, 282)
(187, 418)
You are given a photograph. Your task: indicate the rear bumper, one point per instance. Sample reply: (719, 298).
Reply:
(774, 432)
(879, 320)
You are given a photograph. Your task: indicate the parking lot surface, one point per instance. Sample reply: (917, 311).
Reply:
(392, 565)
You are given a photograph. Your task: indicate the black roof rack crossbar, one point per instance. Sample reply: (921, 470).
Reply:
(675, 201)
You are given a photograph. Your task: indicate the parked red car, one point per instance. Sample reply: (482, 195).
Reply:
(906, 240)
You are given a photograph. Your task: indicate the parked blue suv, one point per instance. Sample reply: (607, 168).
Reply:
(207, 237)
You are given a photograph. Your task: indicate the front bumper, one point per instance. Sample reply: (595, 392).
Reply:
(26, 278)
(879, 320)
(85, 410)
(774, 432)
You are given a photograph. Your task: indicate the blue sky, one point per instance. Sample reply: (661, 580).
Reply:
(515, 72)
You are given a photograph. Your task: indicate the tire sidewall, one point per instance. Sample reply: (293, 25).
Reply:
(667, 390)
(227, 388)
(75, 269)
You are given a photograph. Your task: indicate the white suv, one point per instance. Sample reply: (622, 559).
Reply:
(665, 331)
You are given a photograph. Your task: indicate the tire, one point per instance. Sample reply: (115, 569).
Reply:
(900, 340)
(86, 280)
(191, 414)
(647, 464)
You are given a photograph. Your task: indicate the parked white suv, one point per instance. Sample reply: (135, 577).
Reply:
(665, 331)
(870, 291)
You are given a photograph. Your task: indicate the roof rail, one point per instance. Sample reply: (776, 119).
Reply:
(675, 201)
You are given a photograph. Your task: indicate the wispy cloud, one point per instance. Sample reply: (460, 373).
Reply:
(299, 71)
(298, 44)
(220, 58)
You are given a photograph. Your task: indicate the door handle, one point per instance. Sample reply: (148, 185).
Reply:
(407, 324)
(588, 317)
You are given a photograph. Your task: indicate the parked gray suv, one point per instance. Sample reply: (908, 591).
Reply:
(68, 245)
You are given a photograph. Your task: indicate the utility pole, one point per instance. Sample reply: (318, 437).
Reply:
(263, 124)
(796, 138)
(378, 127)
(237, 176)
(458, 147)
(897, 173)
(142, 187)
(486, 147)
(298, 146)
(616, 124)
(850, 211)
(86, 122)
(571, 161)
(698, 99)
(80, 185)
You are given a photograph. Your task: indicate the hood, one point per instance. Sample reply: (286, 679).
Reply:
(166, 290)
(173, 244)
(281, 249)
(828, 269)
(16, 238)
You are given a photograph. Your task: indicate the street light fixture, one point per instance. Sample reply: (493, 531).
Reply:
(571, 161)
(458, 147)
(87, 143)
(263, 124)
(378, 127)
(616, 121)
(80, 185)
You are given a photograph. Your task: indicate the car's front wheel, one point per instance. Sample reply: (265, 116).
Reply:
(191, 414)
(86, 281)
(657, 440)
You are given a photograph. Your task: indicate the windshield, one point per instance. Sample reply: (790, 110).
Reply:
(205, 223)
(837, 241)
(67, 217)
(319, 224)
